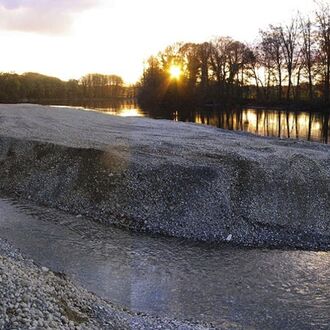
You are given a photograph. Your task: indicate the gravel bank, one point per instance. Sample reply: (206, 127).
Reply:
(170, 178)
(33, 297)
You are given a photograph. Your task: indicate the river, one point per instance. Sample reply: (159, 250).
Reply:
(310, 126)
(231, 287)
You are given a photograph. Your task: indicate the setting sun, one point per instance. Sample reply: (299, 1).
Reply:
(207, 121)
(175, 71)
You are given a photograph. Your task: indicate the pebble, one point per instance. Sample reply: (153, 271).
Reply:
(229, 237)
(28, 300)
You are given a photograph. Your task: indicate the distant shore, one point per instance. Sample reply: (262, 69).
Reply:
(306, 106)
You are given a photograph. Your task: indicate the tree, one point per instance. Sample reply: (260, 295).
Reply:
(190, 56)
(323, 38)
(152, 85)
(97, 85)
(272, 56)
(204, 52)
(289, 40)
(308, 52)
(220, 49)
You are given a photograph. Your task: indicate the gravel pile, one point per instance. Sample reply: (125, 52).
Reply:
(177, 179)
(33, 297)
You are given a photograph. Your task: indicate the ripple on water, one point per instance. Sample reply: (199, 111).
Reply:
(231, 287)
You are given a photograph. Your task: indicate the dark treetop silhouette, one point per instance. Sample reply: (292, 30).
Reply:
(289, 64)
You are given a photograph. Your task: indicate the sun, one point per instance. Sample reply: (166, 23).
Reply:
(175, 71)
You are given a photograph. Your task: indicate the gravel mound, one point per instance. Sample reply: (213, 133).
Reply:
(177, 179)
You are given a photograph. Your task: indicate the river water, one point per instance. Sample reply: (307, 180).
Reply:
(311, 126)
(231, 287)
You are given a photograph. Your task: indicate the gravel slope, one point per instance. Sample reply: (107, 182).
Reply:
(33, 297)
(176, 179)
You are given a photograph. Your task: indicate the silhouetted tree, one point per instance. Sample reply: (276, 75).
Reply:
(323, 38)
(272, 56)
(289, 40)
(308, 52)
(35, 87)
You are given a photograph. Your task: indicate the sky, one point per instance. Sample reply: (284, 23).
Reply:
(69, 38)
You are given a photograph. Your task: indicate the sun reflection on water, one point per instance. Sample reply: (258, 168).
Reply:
(122, 111)
(130, 112)
(282, 124)
(273, 123)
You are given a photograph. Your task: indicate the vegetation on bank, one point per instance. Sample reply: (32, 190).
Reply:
(290, 64)
(32, 87)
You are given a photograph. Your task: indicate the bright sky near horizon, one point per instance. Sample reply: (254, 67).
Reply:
(68, 39)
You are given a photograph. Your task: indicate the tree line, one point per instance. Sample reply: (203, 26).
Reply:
(290, 63)
(35, 87)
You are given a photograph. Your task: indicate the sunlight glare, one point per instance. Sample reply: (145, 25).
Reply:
(175, 71)
(130, 113)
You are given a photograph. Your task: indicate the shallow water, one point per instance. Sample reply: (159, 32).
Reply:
(228, 286)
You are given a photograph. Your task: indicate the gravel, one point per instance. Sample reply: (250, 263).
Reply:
(170, 178)
(33, 297)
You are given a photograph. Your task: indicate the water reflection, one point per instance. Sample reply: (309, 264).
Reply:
(273, 123)
(233, 288)
(122, 109)
(116, 108)
(311, 126)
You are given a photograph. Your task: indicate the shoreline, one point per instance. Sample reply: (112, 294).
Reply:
(160, 177)
(34, 297)
(174, 179)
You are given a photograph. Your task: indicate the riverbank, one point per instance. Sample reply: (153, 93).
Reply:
(34, 297)
(222, 285)
(168, 178)
(318, 106)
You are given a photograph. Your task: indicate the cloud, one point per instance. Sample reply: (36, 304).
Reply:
(42, 16)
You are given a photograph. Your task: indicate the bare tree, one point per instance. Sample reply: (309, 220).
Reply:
(190, 56)
(204, 52)
(308, 51)
(323, 33)
(289, 38)
(219, 59)
(273, 56)
(254, 69)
